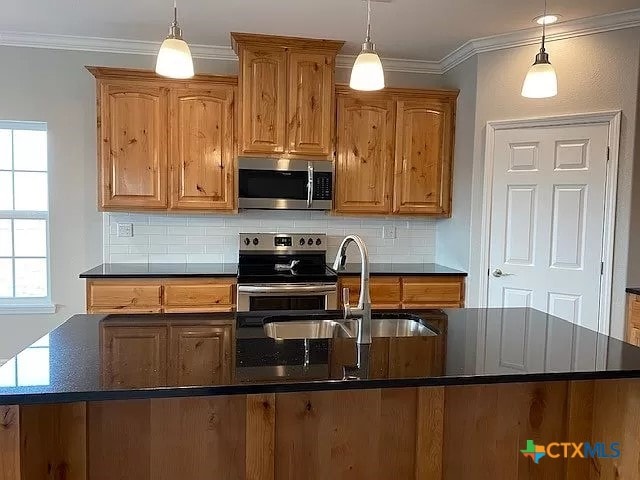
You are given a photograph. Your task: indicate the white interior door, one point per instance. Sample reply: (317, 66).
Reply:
(547, 220)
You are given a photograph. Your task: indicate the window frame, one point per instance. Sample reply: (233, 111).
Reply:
(29, 305)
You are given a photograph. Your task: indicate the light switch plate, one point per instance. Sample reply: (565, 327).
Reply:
(125, 229)
(389, 232)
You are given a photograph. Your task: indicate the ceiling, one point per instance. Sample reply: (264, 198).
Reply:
(409, 29)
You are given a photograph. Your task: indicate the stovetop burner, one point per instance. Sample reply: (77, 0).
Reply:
(283, 258)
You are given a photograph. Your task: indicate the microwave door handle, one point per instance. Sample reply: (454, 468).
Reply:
(310, 185)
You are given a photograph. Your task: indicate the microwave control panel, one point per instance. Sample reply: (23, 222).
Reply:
(322, 186)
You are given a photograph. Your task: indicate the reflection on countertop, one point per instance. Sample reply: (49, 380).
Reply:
(98, 357)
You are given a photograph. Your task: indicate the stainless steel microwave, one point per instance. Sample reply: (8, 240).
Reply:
(285, 184)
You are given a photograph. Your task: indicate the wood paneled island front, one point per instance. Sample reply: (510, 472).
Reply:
(458, 405)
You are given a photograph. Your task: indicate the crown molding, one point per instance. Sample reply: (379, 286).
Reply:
(561, 31)
(531, 36)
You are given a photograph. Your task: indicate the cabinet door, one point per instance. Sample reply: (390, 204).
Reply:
(310, 104)
(424, 150)
(633, 319)
(133, 146)
(263, 87)
(364, 162)
(123, 296)
(200, 355)
(385, 291)
(202, 144)
(134, 356)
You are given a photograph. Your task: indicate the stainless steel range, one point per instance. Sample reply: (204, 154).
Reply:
(280, 271)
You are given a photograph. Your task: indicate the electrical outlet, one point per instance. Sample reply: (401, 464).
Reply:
(389, 232)
(125, 229)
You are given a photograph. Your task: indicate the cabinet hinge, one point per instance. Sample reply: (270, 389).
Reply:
(608, 153)
(601, 268)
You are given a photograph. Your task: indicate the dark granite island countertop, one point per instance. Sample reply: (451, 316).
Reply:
(161, 270)
(475, 346)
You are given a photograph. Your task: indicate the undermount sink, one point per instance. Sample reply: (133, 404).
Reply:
(295, 327)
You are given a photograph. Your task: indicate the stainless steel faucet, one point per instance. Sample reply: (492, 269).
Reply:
(363, 310)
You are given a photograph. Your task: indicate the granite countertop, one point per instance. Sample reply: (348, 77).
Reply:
(634, 290)
(417, 269)
(161, 270)
(475, 346)
(176, 270)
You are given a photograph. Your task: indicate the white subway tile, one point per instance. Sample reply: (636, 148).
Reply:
(185, 249)
(127, 258)
(167, 240)
(135, 240)
(204, 258)
(149, 230)
(167, 258)
(205, 240)
(180, 230)
(167, 220)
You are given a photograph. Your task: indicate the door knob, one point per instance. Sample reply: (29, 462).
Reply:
(499, 273)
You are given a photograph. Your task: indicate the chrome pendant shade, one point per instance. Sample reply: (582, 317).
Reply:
(541, 80)
(174, 58)
(367, 73)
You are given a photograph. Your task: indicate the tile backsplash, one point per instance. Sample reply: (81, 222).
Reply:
(166, 238)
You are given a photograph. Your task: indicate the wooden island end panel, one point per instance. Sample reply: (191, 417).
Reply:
(452, 433)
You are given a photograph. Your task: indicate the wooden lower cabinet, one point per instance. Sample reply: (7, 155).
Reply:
(166, 354)
(199, 295)
(633, 319)
(200, 355)
(134, 356)
(436, 433)
(388, 292)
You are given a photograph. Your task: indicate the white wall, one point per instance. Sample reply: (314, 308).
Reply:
(596, 73)
(53, 86)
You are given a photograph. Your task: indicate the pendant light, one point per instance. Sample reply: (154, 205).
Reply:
(541, 80)
(367, 73)
(174, 58)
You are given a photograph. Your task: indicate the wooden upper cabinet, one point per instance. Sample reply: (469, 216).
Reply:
(364, 160)
(200, 355)
(263, 104)
(286, 95)
(134, 356)
(133, 145)
(310, 104)
(202, 148)
(424, 151)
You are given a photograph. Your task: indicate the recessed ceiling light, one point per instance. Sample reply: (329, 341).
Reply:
(547, 19)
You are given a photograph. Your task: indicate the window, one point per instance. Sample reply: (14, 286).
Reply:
(24, 218)
(29, 368)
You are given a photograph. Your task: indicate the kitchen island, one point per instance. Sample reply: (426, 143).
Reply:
(190, 396)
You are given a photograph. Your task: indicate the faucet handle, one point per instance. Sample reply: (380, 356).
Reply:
(345, 301)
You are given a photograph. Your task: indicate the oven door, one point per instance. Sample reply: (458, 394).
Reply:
(274, 297)
(283, 184)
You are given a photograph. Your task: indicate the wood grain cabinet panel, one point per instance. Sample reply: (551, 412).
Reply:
(123, 296)
(424, 149)
(198, 296)
(134, 356)
(133, 145)
(385, 291)
(310, 104)
(633, 319)
(263, 87)
(432, 292)
(364, 154)
(202, 148)
(200, 355)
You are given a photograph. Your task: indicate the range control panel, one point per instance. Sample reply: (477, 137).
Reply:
(282, 242)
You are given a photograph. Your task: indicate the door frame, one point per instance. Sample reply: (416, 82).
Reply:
(613, 119)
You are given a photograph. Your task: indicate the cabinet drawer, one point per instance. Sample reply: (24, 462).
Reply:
(201, 296)
(124, 296)
(385, 291)
(432, 292)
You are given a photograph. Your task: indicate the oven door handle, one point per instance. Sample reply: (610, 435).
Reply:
(310, 185)
(287, 289)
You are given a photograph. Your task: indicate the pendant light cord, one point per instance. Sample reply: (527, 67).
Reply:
(368, 39)
(175, 12)
(544, 26)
